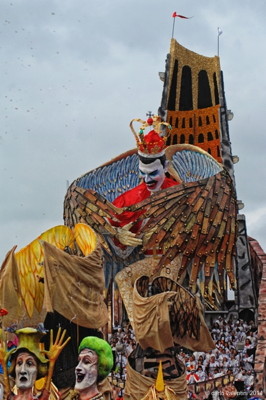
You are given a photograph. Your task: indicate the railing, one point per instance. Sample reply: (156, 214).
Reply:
(211, 384)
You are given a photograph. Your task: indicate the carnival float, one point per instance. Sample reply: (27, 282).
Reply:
(154, 238)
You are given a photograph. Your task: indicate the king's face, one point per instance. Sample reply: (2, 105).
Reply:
(153, 174)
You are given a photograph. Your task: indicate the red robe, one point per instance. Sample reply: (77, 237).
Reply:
(134, 196)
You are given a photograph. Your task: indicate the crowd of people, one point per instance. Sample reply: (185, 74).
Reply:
(234, 353)
(122, 341)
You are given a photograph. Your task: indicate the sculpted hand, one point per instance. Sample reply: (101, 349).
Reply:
(126, 237)
(57, 346)
(53, 354)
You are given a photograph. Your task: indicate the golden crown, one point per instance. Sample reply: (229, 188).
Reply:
(152, 144)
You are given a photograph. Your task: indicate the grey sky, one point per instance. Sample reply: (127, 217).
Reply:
(75, 72)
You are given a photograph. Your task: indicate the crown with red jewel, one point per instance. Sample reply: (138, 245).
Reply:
(152, 144)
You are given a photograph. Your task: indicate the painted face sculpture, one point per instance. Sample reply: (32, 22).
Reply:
(153, 174)
(86, 370)
(25, 370)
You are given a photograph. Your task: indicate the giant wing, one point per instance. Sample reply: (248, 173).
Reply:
(89, 200)
(21, 277)
(196, 218)
(30, 265)
(109, 181)
(190, 163)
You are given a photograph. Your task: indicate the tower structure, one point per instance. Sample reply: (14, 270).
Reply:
(194, 104)
(191, 99)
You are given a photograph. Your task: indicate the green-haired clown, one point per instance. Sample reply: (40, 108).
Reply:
(94, 365)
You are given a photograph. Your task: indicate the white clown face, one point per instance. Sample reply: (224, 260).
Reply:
(26, 371)
(153, 174)
(86, 370)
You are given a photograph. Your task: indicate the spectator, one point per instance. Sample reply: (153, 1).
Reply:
(192, 377)
(201, 374)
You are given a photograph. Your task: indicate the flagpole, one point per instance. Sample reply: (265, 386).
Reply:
(219, 32)
(173, 27)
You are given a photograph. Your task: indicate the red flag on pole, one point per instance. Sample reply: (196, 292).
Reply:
(174, 15)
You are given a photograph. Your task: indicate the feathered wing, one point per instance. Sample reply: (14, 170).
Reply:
(190, 163)
(85, 239)
(108, 181)
(88, 200)
(28, 264)
(196, 219)
(91, 208)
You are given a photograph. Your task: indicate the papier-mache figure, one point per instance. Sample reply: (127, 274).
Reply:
(167, 202)
(95, 362)
(182, 228)
(28, 363)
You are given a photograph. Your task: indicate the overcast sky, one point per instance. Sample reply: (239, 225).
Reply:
(75, 72)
